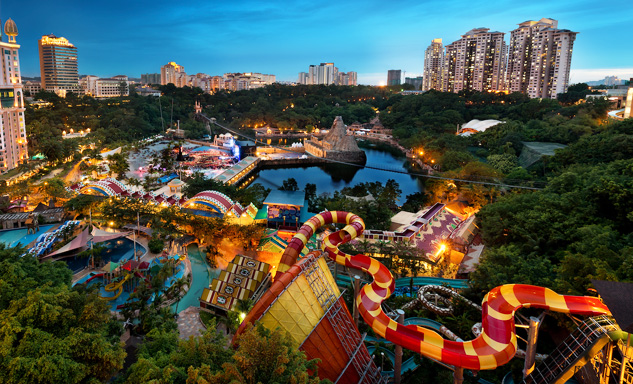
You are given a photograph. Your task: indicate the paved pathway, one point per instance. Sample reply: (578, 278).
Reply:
(189, 323)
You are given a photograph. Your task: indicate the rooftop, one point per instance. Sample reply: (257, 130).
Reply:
(296, 198)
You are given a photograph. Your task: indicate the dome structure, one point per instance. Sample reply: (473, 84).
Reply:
(11, 30)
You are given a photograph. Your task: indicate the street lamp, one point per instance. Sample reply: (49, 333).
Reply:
(382, 361)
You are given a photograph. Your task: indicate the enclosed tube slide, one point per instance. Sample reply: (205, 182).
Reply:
(497, 343)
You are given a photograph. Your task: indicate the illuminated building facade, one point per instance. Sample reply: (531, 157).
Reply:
(540, 58)
(58, 65)
(475, 62)
(174, 74)
(433, 61)
(394, 77)
(628, 107)
(116, 86)
(13, 147)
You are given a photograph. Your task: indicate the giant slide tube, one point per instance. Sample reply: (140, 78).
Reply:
(497, 343)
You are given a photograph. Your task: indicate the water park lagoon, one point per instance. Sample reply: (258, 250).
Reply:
(118, 250)
(116, 281)
(13, 237)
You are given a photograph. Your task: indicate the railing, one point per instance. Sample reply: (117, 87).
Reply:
(567, 354)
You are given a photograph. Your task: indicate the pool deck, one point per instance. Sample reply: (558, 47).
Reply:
(189, 323)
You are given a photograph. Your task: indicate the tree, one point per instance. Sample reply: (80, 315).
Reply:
(118, 164)
(56, 334)
(163, 358)
(289, 185)
(262, 356)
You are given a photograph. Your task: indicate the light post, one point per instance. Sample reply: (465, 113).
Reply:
(382, 361)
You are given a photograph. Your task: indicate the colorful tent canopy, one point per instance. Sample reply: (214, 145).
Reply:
(80, 241)
(110, 267)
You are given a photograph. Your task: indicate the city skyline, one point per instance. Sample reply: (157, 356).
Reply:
(139, 37)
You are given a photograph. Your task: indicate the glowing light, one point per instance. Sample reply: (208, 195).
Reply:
(112, 223)
(59, 41)
(242, 316)
(421, 153)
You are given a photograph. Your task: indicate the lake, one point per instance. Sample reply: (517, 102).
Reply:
(333, 177)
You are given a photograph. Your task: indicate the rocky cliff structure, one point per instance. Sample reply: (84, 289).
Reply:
(336, 145)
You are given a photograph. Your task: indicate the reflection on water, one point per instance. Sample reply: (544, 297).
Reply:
(333, 177)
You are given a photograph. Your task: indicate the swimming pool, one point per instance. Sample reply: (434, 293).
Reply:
(14, 236)
(202, 275)
(121, 249)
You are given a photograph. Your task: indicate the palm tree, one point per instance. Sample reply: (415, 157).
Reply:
(178, 287)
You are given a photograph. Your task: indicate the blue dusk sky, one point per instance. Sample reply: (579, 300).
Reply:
(284, 37)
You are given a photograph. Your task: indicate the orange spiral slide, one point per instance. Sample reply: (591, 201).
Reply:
(497, 343)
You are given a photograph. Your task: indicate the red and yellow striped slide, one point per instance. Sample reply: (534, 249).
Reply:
(497, 343)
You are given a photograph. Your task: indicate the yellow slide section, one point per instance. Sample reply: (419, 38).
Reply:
(117, 285)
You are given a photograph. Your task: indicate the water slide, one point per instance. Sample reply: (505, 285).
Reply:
(116, 286)
(419, 281)
(497, 343)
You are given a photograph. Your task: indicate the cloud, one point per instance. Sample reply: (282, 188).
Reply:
(583, 75)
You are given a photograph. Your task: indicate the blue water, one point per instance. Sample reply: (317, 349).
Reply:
(202, 275)
(121, 249)
(14, 236)
(333, 177)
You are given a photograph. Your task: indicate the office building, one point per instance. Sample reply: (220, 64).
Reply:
(394, 76)
(417, 82)
(58, 65)
(475, 62)
(433, 62)
(174, 74)
(13, 147)
(540, 58)
(150, 78)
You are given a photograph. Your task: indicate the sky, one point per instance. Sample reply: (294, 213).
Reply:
(284, 37)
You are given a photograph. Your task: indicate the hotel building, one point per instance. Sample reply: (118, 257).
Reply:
(58, 65)
(13, 149)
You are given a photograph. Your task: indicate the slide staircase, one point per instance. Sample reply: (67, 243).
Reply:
(574, 352)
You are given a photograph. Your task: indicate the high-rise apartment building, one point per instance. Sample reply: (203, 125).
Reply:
(394, 77)
(13, 149)
(58, 65)
(540, 58)
(150, 78)
(303, 78)
(433, 62)
(343, 78)
(326, 73)
(475, 62)
(174, 74)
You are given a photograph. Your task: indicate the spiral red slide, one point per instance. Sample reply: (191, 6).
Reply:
(497, 343)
